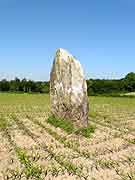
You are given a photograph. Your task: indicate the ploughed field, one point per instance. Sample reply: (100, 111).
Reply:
(31, 148)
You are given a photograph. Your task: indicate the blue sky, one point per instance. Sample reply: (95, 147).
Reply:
(100, 33)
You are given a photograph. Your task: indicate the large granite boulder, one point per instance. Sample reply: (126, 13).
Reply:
(68, 89)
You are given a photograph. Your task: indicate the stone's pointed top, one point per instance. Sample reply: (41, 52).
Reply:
(63, 53)
(61, 50)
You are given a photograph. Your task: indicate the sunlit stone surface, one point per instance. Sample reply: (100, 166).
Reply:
(68, 89)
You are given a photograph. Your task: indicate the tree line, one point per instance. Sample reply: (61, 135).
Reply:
(24, 85)
(111, 86)
(95, 86)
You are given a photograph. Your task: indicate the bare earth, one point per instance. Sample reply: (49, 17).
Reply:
(30, 148)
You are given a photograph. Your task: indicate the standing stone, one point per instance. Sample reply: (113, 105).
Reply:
(68, 89)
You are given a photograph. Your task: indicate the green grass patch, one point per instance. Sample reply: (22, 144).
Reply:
(31, 170)
(86, 132)
(92, 114)
(3, 123)
(61, 123)
(67, 126)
